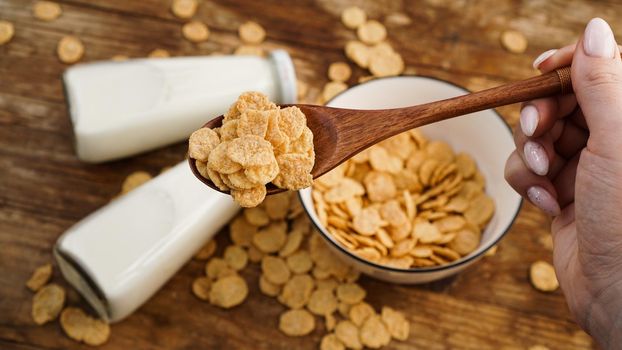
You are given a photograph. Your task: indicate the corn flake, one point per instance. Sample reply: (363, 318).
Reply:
(271, 238)
(350, 293)
(296, 323)
(360, 312)
(386, 64)
(217, 268)
(251, 33)
(206, 251)
(300, 262)
(83, 328)
(275, 270)
(159, 53)
(542, 276)
(201, 287)
(253, 122)
(514, 41)
(195, 31)
(46, 10)
(371, 32)
(47, 303)
(201, 143)
(322, 302)
(380, 186)
(297, 291)
(358, 52)
(236, 257)
(294, 172)
(374, 333)
(228, 291)
(184, 8)
(70, 49)
(249, 198)
(339, 71)
(7, 30)
(348, 334)
(292, 244)
(40, 277)
(353, 17)
(268, 288)
(331, 342)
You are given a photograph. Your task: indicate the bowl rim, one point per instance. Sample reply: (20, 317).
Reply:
(415, 270)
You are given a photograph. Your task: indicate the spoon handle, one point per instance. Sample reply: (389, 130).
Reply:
(548, 84)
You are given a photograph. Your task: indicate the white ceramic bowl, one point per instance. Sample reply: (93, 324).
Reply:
(484, 135)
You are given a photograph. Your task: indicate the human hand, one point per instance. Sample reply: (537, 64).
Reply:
(568, 162)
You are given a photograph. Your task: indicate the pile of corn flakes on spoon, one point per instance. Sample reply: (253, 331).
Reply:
(296, 267)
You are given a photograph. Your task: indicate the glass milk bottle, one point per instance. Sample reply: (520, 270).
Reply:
(119, 109)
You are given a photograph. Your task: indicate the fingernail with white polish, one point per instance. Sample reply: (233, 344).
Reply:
(542, 199)
(543, 57)
(536, 158)
(598, 40)
(529, 118)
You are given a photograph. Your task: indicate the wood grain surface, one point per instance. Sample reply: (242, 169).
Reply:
(44, 189)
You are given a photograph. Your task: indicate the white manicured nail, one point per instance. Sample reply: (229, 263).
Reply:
(529, 118)
(598, 40)
(543, 57)
(536, 158)
(542, 199)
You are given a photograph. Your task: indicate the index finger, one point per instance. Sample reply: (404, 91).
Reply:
(560, 58)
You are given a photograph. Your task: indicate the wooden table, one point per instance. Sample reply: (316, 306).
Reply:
(44, 189)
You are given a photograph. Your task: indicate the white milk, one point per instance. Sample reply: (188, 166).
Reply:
(120, 255)
(120, 109)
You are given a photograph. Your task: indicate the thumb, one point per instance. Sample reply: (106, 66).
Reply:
(597, 82)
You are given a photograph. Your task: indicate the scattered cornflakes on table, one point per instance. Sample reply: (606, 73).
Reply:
(300, 272)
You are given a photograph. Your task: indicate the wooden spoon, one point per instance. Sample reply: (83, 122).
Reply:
(340, 133)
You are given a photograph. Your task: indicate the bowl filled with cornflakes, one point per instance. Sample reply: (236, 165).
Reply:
(424, 204)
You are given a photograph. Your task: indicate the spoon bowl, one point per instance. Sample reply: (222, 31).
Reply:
(340, 133)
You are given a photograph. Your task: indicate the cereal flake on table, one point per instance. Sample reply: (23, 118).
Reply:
(40, 277)
(70, 49)
(47, 303)
(251, 33)
(195, 31)
(514, 41)
(46, 10)
(299, 270)
(258, 143)
(7, 30)
(542, 276)
(159, 53)
(184, 8)
(83, 328)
